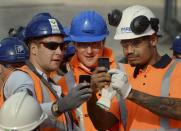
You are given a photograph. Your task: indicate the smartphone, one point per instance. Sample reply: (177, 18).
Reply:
(84, 78)
(104, 62)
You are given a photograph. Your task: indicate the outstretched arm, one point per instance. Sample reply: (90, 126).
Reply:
(163, 106)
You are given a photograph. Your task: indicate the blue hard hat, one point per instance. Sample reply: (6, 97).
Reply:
(43, 24)
(70, 51)
(176, 45)
(88, 26)
(13, 50)
(67, 38)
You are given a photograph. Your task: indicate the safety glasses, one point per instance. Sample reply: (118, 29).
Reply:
(53, 45)
(94, 45)
(134, 42)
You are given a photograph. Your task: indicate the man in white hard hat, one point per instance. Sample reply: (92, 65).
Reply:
(152, 95)
(21, 112)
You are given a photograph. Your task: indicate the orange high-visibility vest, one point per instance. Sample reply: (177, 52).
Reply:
(39, 95)
(150, 82)
(79, 70)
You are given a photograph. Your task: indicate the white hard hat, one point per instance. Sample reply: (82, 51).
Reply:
(124, 30)
(21, 112)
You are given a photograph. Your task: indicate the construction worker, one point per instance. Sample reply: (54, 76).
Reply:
(153, 99)
(88, 31)
(13, 54)
(176, 47)
(21, 112)
(44, 36)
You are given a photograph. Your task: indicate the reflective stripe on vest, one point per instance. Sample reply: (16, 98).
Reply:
(164, 125)
(122, 104)
(70, 81)
(165, 91)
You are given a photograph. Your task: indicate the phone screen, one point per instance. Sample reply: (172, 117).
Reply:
(84, 78)
(104, 62)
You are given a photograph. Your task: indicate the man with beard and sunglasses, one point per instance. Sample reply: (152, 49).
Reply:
(44, 36)
(151, 84)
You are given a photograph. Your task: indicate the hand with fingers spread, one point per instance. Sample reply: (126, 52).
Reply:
(119, 82)
(78, 95)
(100, 79)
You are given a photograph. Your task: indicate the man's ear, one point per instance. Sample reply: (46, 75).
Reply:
(153, 40)
(33, 48)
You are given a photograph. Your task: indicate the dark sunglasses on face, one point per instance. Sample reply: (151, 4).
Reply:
(53, 45)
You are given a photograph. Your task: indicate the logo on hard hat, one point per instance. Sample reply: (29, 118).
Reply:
(126, 29)
(19, 49)
(54, 26)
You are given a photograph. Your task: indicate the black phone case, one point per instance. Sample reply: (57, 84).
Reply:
(84, 78)
(104, 62)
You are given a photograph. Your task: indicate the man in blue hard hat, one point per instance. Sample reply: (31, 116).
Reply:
(88, 31)
(13, 54)
(176, 47)
(44, 36)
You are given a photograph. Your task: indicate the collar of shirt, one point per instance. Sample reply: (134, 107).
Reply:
(162, 63)
(42, 74)
(55, 87)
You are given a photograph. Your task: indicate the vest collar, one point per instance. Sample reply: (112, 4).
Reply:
(162, 63)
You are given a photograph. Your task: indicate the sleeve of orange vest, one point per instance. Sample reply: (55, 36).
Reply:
(98, 81)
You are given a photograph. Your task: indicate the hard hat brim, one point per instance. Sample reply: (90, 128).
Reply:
(28, 127)
(88, 38)
(131, 35)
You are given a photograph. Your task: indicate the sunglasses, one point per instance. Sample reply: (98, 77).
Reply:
(54, 45)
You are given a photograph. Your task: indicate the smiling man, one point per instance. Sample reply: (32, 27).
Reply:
(88, 31)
